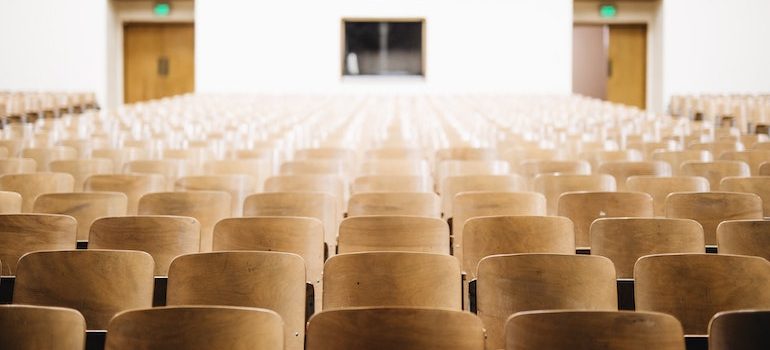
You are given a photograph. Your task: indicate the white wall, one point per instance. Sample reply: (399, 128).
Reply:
(716, 46)
(53, 45)
(519, 46)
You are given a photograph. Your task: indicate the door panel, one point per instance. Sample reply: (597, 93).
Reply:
(627, 64)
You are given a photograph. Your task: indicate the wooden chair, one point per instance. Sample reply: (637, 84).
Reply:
(744, 237)
(552, 186)
(30, 186)
(315, 167)
(121, 156)
(44, 156)
(455, 167)
(597, 158)
(711, 208)
(625, 240)
(392, 279)
(743, 329)
(395, 203)
(24, 233)
(134, 186)
(269, 280)
(715, 171)
(764, 169)
(492, 235)
(759, 185)
(163, 237)
(531, 168)
(395, 153)
(259, 169)
(208, 207)
(676, 158)
(588, 330)
(384, 328)
(17, 166)
(648, 148)
(10, 202)
(585, 207)
(465, 153)
(27, 327)
(622, 170)
(330, 184)
(14, 146)
(392, 183)
(196, 328)
(694, 287)
(85, 207)
(393, 233)
(238, 186)
(338, 153)
(170, 169)
(98, 283)
(81, 169)
(717, 148)
(507, 284)
(395, 167)
(660, 187)
(753, 158)
(453, 185)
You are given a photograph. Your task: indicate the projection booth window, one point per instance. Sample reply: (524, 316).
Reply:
(383, 47)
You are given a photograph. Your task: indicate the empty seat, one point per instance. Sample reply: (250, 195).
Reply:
(196, 328)
(85, 207)
(531, 168)
(315, 167)
(98, 283)
(743, 329)
(395, 203)
(17, 166)
(455, 167)
(395, 167)
(764, 169)
(744, 237)
(694, 287)
(395, 328)
(453, 185)
(660, 187)
(759, 185)
(588, 330)
(238, 186)
(331, 184)
(269, 280)
(676, 158)
(392, 279)
(392, 183)
(45, 155)
(29, 186)
(622, 170)
(711, 208)
(393, 233)
(625, 240)
(511, 283)
(26, 327)
(597, 158)
(259, 169)
(163, 237)
(308, 204)
(120, 156)
(81, 169)
(716, 170)
(753, 158)
(10, 202)
(24, 233)
(717, 148)
(170, 169)
(134, 186)
(552, 186)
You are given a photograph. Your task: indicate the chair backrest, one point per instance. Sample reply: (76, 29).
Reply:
(44, 156)
(744, 237)
(170, 169)
(743, 329)
(392, 279)
(507, 284)
(259, 169)
(711, 208)
(625, 240)
(24, 233)
(269, 280)
(764, 168)
(29, 186)
(395, 167)
(588, 330)
(163, 237)
(759, 185)
(331, 184)
(393, 233)
(119, 156)
(717, 148)
(392, 183)
(98, 283)
(238, 186)
(134, 186)
(81, 169)
(599, 157)
(10, 202)
(660, 187)
(395, 203)
(694, 287)
(753, 158)
(208, 207)
(552, 186)
(491, 235)
(531, 168)
(196, 328)
(27, 327)
(308, 204)
(395, 153)
(716, 170)
(454, 167)
(453, 185)
(315, 167)
(622, 170)
(395, 328)
(17, 166)
(585, 207)
(85, 207)
(676, 158)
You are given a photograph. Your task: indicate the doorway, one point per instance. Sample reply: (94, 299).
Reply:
(610, 62)
(158, 59)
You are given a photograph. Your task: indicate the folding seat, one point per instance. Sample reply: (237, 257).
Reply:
(392, 183)
(405, 328)
(171, 169)
(394, 167)
(622, 170)
(753, 158)
(30, 186)
(392, 279)
(717, 148)
(85, 207)
(45, 155)
(121, 156)
(81, 169)
(269, 280)
(259, 169)
(134, 186)
(17, 166)
(597, 158)
(163, 237)
(744, 237)
(715, 171)
(24, 233)
(660, 187)
(676, 158)
(585, 207)
(588, 330)
(694, 287)
(393, 233)
(531, 168)
(238, 186)
(331, 184)
(498, 183)
(742, 329)
(625, 240)
(711, 208)
(26, 327)
(395, 203)
(304, 204)
(648, 148)
(453, 167)
(507, 284)
(98, 283)
(553, 186)
(208, 207)
(196, 328)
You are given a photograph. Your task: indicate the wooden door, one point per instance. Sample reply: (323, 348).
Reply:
(628, 65)
(159, 60)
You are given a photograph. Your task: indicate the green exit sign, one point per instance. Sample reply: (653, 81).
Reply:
(608, 10)
(161, 9)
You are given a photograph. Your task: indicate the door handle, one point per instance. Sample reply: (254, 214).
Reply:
(163, 66)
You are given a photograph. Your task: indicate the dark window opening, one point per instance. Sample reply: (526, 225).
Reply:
(383, 48)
